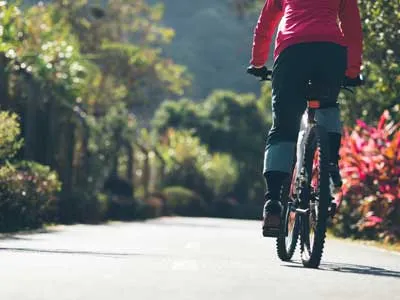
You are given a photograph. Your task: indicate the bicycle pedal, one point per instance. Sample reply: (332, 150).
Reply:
(332, 209)
(271, 232)
(302, 211)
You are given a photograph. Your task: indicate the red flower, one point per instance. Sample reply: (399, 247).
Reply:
(370, 166)
(371, 221)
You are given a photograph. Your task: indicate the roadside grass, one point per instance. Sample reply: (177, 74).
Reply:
(371, 243)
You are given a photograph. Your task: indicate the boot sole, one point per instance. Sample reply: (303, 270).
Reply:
(272, 226)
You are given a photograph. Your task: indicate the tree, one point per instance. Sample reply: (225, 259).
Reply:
(125, 41)
(75, 80)
(381, 26)
(227, 123)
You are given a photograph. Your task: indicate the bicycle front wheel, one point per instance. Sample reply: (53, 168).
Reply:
(317, 196)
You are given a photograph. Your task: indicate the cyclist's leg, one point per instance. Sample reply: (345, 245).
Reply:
(332, 67)
(330, 119)
(289, 78)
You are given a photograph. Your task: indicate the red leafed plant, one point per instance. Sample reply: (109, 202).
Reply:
(370, 166)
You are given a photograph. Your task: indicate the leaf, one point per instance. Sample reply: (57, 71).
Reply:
(362, 124)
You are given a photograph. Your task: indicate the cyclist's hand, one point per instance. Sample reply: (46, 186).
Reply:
(353, 82)
(261, 72)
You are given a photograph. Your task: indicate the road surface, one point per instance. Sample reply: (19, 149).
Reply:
(183, 259)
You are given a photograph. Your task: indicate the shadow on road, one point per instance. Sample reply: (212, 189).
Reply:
(359, 269)
(76, 252)
(353, 269)
(25, 235)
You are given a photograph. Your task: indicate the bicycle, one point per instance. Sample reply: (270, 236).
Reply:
(306, 196)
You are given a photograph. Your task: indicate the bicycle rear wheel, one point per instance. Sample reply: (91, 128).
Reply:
(289, 233)
(316, 196)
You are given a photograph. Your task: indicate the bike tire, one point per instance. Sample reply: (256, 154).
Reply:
(311, 251)
(287, 240)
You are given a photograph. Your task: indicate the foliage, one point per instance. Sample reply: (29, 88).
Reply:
(108, 132)
(9, 133)
(371, 171)
(381, 66)
(229, 123)
(52, 52)
(12, 28)
(49, 52)
(179, 114)
(83, 77)
(84, 207)
(154, 207)
(182, 201)
(189, 164)
(125, 43)
(237, 125)
(221, 173)
(28, 190)
(225, 121)
(27, 196)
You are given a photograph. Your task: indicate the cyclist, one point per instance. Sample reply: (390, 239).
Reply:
(317, 40)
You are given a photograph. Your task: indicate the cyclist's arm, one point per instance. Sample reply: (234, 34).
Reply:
(269, 17)
(350, 23)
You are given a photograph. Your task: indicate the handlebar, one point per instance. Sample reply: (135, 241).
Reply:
(353, 82)
(265, 75)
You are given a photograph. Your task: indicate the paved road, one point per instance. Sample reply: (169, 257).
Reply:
(183, 259)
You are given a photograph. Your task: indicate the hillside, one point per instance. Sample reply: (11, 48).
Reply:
(213, 42)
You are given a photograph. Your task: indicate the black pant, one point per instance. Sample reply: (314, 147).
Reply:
(321, 62)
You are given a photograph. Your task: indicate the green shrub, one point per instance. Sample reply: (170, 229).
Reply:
(28, 190)
(221, 174)
(9, 132)
(225, 122)
(84, 207)
(106, 134)
(189, 164)
(153, 207)
(28, 196)
(122, 208)
(182, 201)
(184, 156)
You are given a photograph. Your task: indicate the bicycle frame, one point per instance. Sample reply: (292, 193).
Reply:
(308, 197)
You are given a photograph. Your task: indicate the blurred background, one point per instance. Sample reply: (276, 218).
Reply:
(128, 110)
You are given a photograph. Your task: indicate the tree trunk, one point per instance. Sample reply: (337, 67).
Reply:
(69, 156)
(66, 154)
(82, 163)
(51, 133)
(4, 97)
(85, 153)
(146, 170)
(146, 175)
(129, 169)
(42, 129)
(30, 119)
(162, 161)
(118, 143)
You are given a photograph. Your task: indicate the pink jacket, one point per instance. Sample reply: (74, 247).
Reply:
(302, 21)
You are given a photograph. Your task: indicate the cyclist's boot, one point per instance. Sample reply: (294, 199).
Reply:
(272, 218)
(273, 208)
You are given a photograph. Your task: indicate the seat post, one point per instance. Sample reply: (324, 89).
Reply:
(312, 106)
